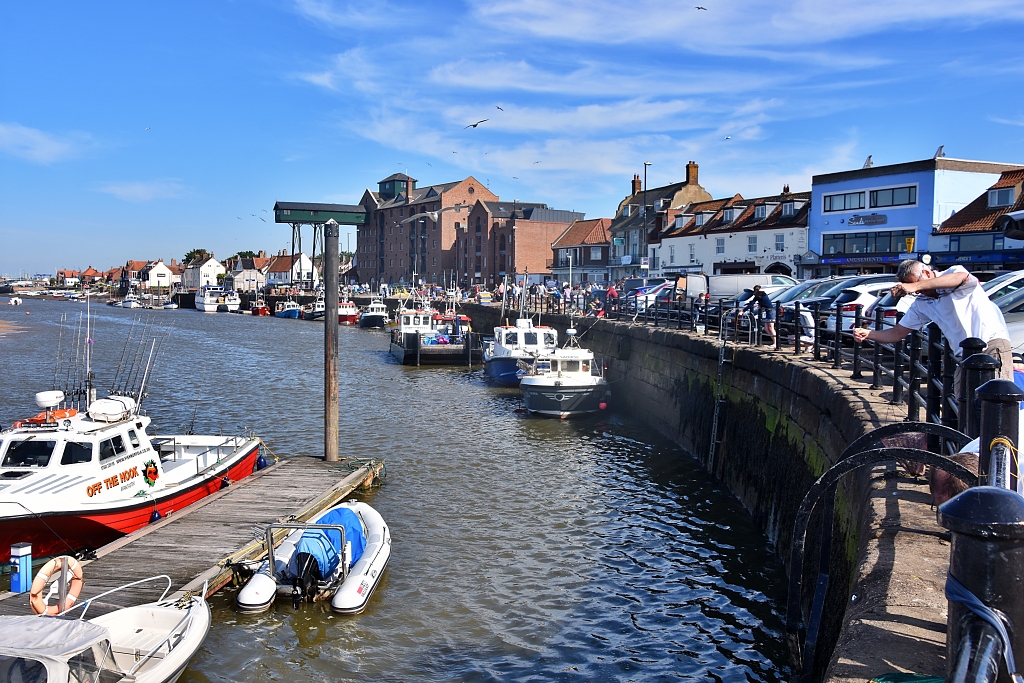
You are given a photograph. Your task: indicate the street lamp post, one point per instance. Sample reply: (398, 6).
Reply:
(643, 238)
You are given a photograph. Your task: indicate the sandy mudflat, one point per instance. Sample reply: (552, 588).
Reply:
(7, 327)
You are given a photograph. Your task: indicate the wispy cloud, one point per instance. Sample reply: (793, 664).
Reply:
(352, 67)
(731, 27)
(35, 145)
(346, 15)
(1019, 121)
(138, 191)
(635, 114)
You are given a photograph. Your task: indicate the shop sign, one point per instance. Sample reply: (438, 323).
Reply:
(861, 259)
(627, 259)
(873, 219)
(645, 262)
(810, 257)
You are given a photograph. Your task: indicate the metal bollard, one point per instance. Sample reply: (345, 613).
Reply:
(778, 326)
(968, 347)
(858, 321)
(976, 370)
(933, 394)
(986, 557)
(1000, 417)
(914, 378)
(817, 330)
(837, 357)
(796, 328)
(21, 567)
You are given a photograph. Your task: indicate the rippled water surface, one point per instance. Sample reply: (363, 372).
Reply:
(524, 549)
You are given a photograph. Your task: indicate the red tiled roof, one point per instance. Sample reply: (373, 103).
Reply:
(977, 216)
(282, 264)
(593, 231)
(259, 263)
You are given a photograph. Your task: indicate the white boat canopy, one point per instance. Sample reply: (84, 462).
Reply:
(45, 637)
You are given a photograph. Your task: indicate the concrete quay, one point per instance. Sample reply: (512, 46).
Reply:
(786, 420)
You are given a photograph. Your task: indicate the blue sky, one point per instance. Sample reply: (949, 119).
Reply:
(139, 130)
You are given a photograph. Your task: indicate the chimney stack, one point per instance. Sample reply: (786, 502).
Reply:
(637, 184)
(785, 189)
(691, 173)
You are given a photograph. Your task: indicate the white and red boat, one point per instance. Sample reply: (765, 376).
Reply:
(348, 313)
(71, 480)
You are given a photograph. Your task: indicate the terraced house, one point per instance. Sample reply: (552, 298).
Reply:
(636, 217)
(733, 236)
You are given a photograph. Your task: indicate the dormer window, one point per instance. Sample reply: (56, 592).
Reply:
(732, 213)
(702, 217)
(664, 203)
(625, 210)
(1000, 197)
(788, 208)
(682, 219)
(760, 212)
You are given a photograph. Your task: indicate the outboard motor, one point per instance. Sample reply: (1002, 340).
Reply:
(306, 584)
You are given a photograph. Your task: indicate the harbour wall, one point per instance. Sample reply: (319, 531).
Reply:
(781, 425)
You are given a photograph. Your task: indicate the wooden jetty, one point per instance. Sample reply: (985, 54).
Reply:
(201, 544)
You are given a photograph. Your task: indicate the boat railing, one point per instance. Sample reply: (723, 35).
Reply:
(185, 621)
(299, 525)
(84, 605)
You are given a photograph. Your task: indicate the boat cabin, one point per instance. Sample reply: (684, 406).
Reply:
(564, 366)
(534, 340)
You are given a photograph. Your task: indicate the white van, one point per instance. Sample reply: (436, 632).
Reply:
(728, 286)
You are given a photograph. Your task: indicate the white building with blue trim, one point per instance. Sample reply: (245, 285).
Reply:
(867, 220)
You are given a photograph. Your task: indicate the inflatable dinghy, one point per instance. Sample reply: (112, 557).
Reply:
(341, 555)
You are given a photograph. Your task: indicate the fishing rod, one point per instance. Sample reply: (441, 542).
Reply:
(195, 411)
(124, 351)
(60, 338)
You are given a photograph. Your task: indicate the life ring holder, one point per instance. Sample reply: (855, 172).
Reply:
(42, 577)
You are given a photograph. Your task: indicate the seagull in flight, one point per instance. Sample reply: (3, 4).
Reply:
(147, 127)
(433, 215)
(498, 108)
(238, 217)
(536, 162)
(703, 8)
(515, 178)
(474, 125)
(430, 164)
(261, 218)
(727, 137)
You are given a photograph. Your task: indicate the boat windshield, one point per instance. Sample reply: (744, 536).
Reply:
(545, 366)
(76, 453)
(22, 669)
(549, 339)
(511, 338)
(570, 366)
(93, 665)
(29, 453)
(530, 338)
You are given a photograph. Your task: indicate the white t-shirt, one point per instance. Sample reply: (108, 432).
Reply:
(960, 312)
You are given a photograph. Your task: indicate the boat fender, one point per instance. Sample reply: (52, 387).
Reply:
(261, 462)
(52, 567)
(155, 517)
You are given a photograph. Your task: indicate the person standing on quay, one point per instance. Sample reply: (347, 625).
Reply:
(956, 302)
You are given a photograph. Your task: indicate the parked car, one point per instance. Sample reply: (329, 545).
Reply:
(1004, 286)
(850, 298)
(890, 306)
(661, 294)
(726, 286)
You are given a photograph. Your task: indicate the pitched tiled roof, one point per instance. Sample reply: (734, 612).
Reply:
(690, 226)
(308, 206)
(135, 265)
(977, 216)
(653, 198)
(746, 220)
(420, 194)
(398, 176)
(282, 264)
(594, 231)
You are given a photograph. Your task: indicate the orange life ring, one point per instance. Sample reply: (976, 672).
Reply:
(54, 416)
(49, 569)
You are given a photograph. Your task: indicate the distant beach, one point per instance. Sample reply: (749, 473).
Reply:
(6, 327)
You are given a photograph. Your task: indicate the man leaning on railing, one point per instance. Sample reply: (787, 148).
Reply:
(955, 301)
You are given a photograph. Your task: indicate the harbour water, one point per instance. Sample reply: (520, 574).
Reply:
(524, 549)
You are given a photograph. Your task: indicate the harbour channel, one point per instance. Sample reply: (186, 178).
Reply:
(524, 549)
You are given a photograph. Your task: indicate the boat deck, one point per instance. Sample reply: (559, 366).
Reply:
(198, 544)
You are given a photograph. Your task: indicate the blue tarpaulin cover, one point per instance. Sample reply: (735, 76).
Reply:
(325, 544)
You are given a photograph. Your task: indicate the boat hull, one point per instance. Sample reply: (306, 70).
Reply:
(293, 313)
(367, 320)
(95, 528)
(260, 310)
(564, 400)
(503, 370)
(205, 307)
(433, 354)
(350, 319)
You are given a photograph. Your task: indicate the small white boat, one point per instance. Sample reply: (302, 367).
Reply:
(564, 383)
(130, 300)
(213, 298)
(170, 306)
(374, 315)
(14, 301)
(342, 554)
(149, 643)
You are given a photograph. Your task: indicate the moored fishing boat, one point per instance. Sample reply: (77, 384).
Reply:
(315, 310)
(229, 302)
(523, 341)
(259, 307)
(348, 313)
(286, 309)
(375, 314)
(426, 337)
(564, 383)
(72, 480)
(341, 555)
(131, 300)
(148, 643)
(14, 301)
